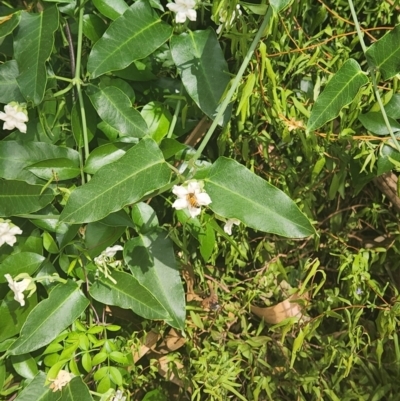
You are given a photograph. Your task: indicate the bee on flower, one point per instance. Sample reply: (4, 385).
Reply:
(190, 196)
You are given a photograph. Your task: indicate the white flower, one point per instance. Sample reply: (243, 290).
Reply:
(108, 254)
(190, 197)
(14, 117)
(183, 9)
(62, 379)
(18, 288)
(228, 225)
(119, 396)
(8, 233)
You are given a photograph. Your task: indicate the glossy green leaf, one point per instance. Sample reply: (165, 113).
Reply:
(50, 317)
(203, 69)
(384, 164)
(111, 8)
(238, 193)
(385, 54)
(339, 92)
(118, 219)
(152, 262)
(106, 81)
(118, 184)
(24, 365)
(392, 108)
(22, 262)
(76, 390)
(170, 147)
(144, 217)
(157, 118)
(133, 36)
(16, 156)
(115, 108)
(279, 5)
(37, 390)
(375, 123)
(93, 27)
(105, 154)
(99, 236)
(9, 89)
(33, 44)
(13, 316)
(7, 26)
(56, 169)
(18, 197)
(128, 293)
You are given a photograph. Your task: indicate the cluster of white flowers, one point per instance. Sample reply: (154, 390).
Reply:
(106, 258)
(183, 9)
(8, 231)
(14, 116)
(18, 287)
(191, 196)
(62, 379)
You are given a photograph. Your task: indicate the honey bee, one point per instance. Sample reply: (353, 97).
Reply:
(192, 200)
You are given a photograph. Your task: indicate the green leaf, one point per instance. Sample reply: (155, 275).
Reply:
(393, 107)
(207, 242)
(133, 36)
(9, 89)
(7, 26)
(115, 108)
(385, 54)
(33, 44)
(151, 260)
(37, 390)
(279, 5)
(238, 193)
(157, 118)
(375, 123)
(56, 169)
(18, 197)
(384, 164)
(118, 184)
(144, 217)
(170, 147)
(13, 316)
(76, 390)
(339, 92)
(128, 293)
(50, 317)
(24, 365)
(105, 154)
(22, 262)
(16, 156)
(99, 236)
(93, 27)
(111, 8)
(204, 71)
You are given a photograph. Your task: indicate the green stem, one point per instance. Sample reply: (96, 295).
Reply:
(78, 83)
(373, 78)
(176, 114)
(232, 89)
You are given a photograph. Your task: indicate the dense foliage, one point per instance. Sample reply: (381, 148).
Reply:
(197, 200)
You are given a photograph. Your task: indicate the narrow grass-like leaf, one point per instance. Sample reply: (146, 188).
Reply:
(141, 170)
(18, 197)
(203, 68)
(385, 53)
(152, 262)
(238, 193)
(50, 317)
(339, 92)
(33, 45)
(128, 293)
(132, 36)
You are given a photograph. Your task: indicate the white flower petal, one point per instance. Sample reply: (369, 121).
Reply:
(179, 191)
(112, 250)
(13, 117)
(203, 199)
(194, 211)
(228, 225)
(8, 233)
(193, 187)
(180, 204)
(191, 14)
(18, 287)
